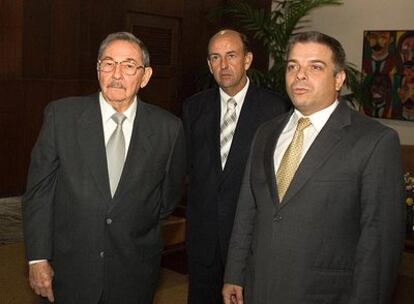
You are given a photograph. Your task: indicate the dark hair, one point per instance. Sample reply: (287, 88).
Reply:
(243, 38)
(125, 36)
(338, 53)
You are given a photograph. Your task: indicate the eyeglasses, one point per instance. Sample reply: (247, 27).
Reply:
(129, 68)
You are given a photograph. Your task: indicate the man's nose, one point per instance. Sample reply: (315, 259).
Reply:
(301, 73)
(223, 63)
(117, 73)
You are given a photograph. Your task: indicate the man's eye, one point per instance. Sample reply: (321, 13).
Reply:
(108, 63)
(316, 67)
(214, 58)
(291, 67)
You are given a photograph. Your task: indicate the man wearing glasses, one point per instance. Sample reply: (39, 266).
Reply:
(104, 171)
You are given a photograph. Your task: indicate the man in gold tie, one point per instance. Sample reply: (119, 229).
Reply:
(320, 213)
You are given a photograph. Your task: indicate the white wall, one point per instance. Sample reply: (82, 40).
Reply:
(347, 23)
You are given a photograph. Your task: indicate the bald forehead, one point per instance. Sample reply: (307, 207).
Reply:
(226, 34)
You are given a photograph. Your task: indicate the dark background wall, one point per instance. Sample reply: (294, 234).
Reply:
(48, 50)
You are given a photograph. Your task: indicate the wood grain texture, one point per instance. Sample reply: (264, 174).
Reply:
(407, 157)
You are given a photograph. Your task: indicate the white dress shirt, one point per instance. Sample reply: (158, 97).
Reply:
(318, 121)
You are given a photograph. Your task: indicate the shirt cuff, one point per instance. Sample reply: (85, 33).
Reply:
(36, 261)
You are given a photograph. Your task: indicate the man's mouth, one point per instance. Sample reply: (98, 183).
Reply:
(298, 90)
(225, 75)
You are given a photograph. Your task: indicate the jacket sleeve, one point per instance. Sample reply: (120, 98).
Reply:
(172, 188)
(187, 132)
(37, 201)
(242, 234)
(382, 220)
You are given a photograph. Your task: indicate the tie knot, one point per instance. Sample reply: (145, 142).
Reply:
(231, 103)
(303, 123)
(118, 118)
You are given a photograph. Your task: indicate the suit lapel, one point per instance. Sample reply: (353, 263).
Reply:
(269, 150)
(321, 149)
(210, 119)
(244, 130)
(92, 144)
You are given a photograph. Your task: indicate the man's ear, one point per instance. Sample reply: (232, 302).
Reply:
(209, 66)
(146, 77)
(248, 59)
(339, 80)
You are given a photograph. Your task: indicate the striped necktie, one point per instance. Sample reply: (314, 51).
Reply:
(227, 130)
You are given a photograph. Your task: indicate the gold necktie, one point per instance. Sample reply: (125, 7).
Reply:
(291, 159)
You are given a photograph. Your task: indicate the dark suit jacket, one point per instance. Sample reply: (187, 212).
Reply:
(338, 235)
(213, 193)
(95, 243)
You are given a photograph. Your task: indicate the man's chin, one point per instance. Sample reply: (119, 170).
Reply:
(115, 98)
(226, 82)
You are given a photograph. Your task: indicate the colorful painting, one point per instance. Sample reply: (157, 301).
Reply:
(388, 69)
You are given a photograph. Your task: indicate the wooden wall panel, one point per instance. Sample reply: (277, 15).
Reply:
(65, 40)
(11, 23)
(11, 153)
(160, 7)
(407, 156)
(88, 86)
(36, 38)
(11, 134)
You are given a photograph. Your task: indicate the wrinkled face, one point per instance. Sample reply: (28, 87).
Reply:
(228, 62)
(379, 42)
(117, 88)
(311, 82)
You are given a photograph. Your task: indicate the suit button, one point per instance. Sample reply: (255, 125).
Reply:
(102, 254)
(278, 218)
(108, 221)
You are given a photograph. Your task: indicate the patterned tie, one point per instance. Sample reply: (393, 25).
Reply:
(291, 159)
(227, 130)
(115, 152)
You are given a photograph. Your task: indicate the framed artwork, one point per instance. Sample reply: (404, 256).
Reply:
(388, 69)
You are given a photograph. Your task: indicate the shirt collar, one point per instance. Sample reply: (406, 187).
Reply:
(107, 110)
(318, 119)
(239, 97)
